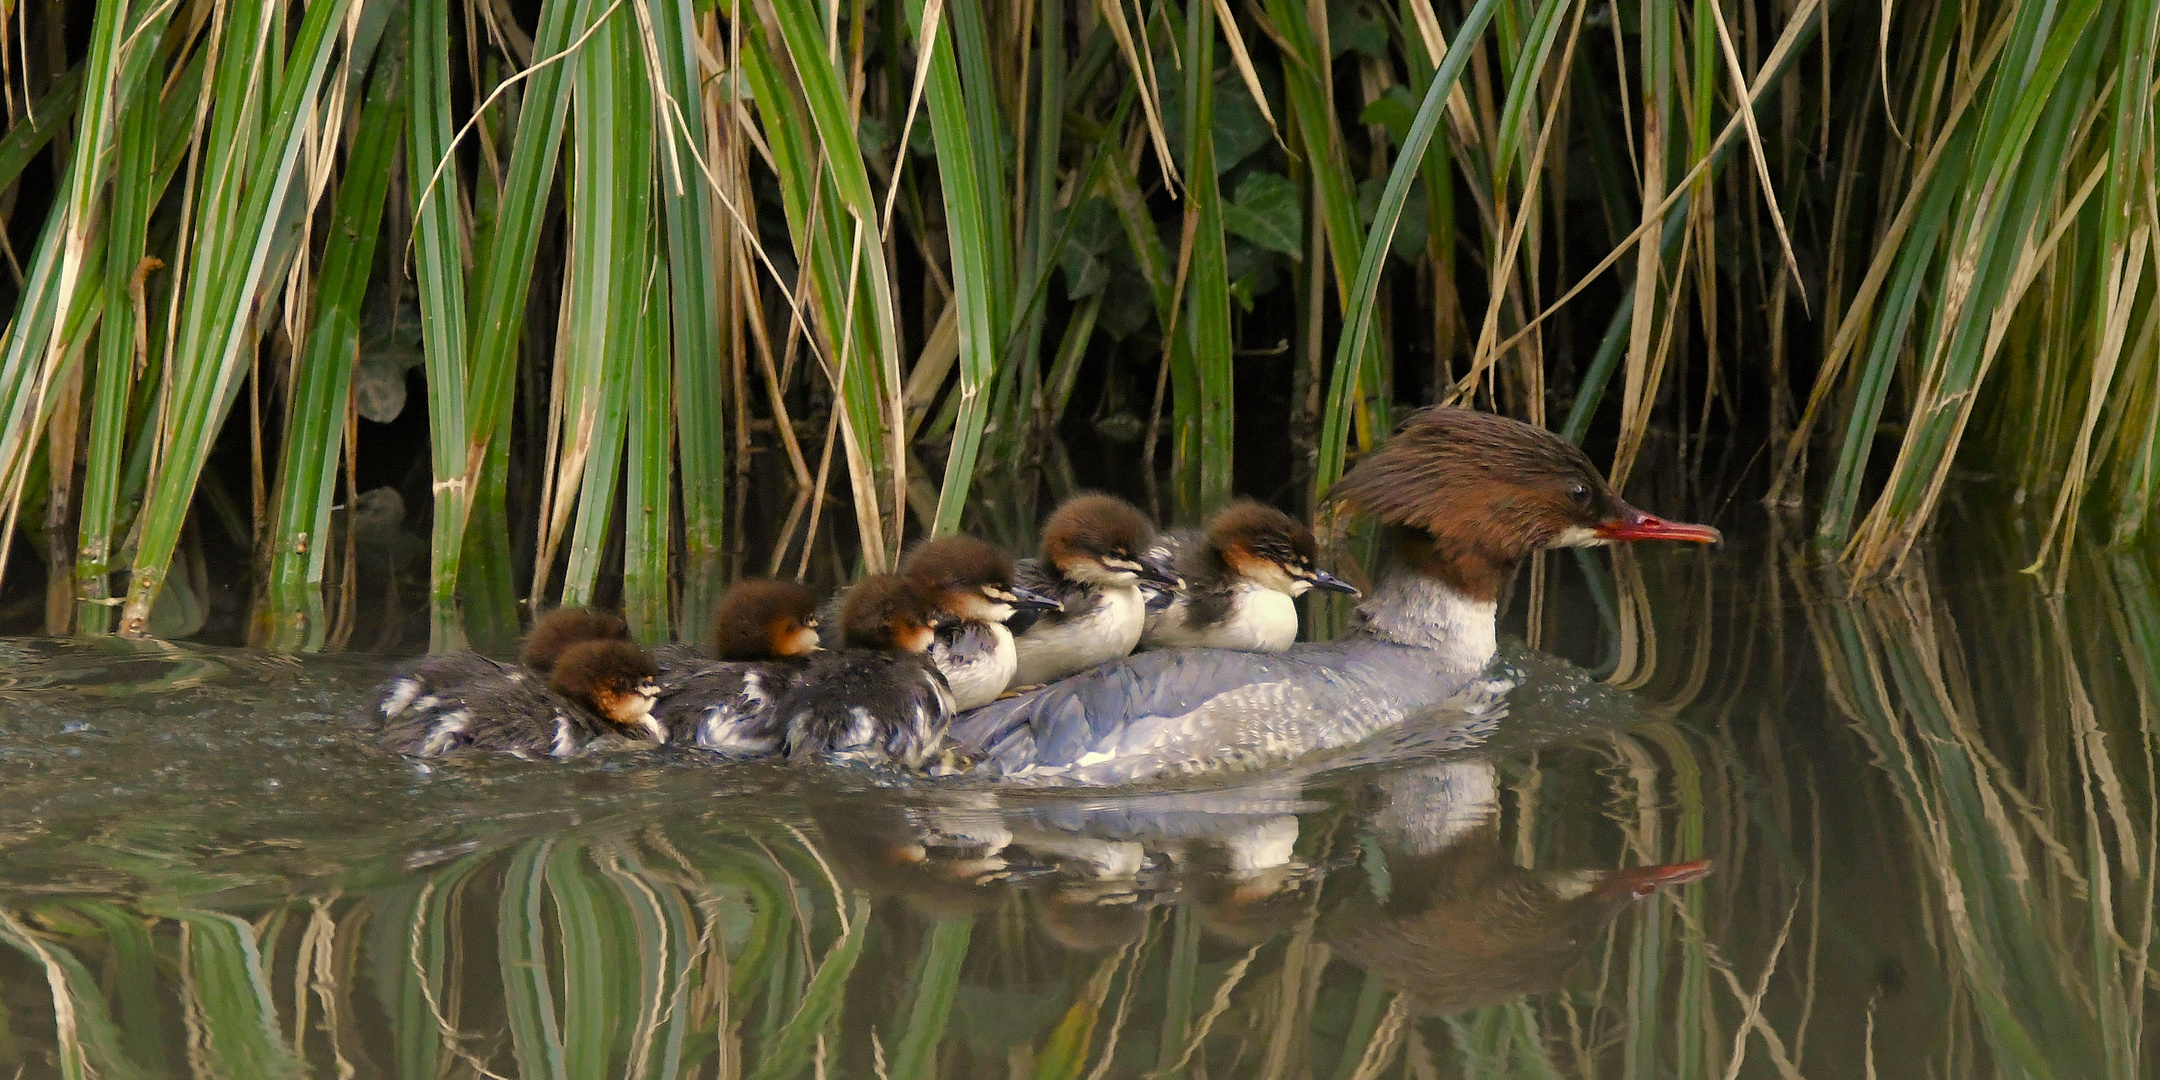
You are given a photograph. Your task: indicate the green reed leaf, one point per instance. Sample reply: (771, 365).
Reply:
(228, 262)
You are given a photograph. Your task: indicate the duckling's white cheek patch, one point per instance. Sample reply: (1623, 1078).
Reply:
(980, 608)
(1275, 578)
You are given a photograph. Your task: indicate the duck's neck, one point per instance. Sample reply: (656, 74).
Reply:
(1410, 608)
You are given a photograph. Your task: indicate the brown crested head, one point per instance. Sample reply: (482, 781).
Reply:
(557, 630)
(763, 619)
(1097, 530)
(1476, 492)
(1259, 531)
(954, 563)
(887, 611)
(1265, 546)
(614, 679)
(971, 578)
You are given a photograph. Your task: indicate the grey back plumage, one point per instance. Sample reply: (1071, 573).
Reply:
(727, 708)
(516, 714)
(860, 706)
(421, 685)
(1182, 711)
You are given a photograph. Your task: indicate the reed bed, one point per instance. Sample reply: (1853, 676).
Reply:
(892, 249)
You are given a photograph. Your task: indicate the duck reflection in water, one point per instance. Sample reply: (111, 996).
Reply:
(1425, 897)
(1440, 913)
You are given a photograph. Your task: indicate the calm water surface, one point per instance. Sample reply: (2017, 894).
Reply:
(1929, 808)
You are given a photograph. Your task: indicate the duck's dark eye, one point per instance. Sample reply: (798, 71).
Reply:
(1580, 493)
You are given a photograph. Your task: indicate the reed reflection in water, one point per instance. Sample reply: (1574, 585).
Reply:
(1928, 810)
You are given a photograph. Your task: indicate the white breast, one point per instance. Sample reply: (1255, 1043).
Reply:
(1053, 650)
(979, 666)
(1261, 620)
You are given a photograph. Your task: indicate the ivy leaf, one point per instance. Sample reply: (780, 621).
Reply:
(1351, 26)
(1266, 211)
(872, 136)
(1239, 128)
(1395, 110)
(1252, 273)
(1128, 304)
(1094, 233)
(1409, 244)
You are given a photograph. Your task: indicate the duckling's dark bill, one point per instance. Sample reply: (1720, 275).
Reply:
(1155, 566)
(1025, 597)
(1321, 579)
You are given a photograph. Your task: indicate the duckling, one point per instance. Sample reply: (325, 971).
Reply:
(879, 700)
(1242, 579)
(1094, 556)
(423, 685)
(973, 583)
(561, 628)
(594, 689)
(764, 632)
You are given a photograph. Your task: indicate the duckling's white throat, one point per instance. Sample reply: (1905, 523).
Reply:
(1412, 609)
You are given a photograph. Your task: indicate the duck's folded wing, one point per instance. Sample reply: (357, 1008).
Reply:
(1144, 715)
(1187, 710)
(515, 716)
(679, 663)
(422, 685)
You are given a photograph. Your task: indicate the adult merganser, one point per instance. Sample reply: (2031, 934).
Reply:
(595, 689)
(764, 632)
(973, 582)
(1241, 582)
(878, 700)
(1094, 556)
(1468, 495)
(421, 686)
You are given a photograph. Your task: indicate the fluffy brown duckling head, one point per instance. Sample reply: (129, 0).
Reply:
(557, 630)
(763, 619)
(1473, 493)
(1263, 545)
(614, 679)
(973, 579)
(1102, 540)
(890, 612)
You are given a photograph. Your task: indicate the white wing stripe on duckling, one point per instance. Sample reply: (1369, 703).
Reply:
(402, 693)
(442, 738)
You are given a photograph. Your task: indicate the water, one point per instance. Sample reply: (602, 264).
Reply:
(1928, 810)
